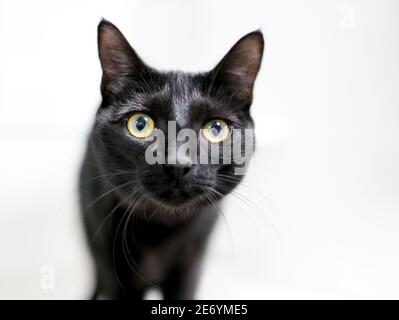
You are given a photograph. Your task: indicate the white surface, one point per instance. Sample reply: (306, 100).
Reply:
(326, 109)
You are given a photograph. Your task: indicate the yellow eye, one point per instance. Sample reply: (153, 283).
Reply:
(140, 125)
(216, 130)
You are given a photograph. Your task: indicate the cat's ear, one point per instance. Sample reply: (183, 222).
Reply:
(238, 69)
(120, 63)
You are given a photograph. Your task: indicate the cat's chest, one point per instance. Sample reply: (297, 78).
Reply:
(156, 259)
(157, 247)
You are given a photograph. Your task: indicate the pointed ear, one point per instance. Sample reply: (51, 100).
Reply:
(120, 63)
(238, 69)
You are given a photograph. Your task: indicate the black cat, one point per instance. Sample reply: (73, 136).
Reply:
(147, 224)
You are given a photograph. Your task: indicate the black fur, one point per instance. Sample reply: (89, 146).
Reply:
(147, 225)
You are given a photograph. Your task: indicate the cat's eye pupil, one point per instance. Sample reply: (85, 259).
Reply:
(141, 123)
(215, 128)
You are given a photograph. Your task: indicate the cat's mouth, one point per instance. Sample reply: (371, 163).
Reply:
(175, 197)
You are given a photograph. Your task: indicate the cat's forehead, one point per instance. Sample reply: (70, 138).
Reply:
(185, 94)
(182, 97)
(175, 96)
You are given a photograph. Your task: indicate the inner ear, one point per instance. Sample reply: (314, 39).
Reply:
(237, 71)
(119, 62)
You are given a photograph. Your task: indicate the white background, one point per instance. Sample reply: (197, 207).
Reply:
(324, 215)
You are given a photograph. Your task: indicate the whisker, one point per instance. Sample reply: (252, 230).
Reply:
(127, 253)
(238, 180)
(218, 209)
(131, 201)
(112, 174)
(78, 219)
(105, 220)
(256, 209)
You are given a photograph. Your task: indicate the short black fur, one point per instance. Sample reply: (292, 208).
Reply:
(148, 225)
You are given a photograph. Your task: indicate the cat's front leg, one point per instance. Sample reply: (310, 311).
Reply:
(114, 282)
(181, 282)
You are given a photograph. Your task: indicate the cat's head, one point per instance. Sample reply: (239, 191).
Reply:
(139, 103)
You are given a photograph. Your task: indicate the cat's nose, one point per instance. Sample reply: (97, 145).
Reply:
(180, 169)
(177, 171)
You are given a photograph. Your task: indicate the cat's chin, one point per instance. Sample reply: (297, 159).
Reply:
(175, 199)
